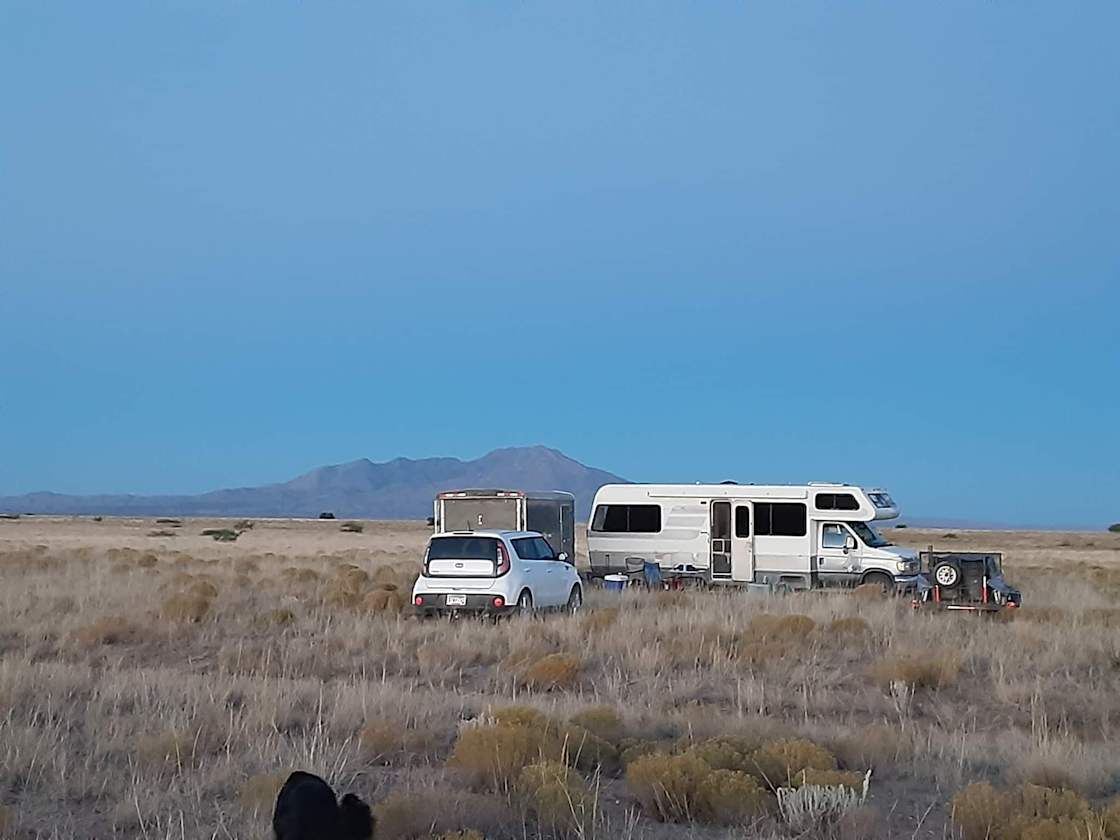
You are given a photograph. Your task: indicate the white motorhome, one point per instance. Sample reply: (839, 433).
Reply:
(796, 536)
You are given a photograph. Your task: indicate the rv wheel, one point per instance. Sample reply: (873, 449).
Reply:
(947, 573)
(884, 582)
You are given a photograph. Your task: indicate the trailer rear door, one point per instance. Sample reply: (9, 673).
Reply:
(477, 513)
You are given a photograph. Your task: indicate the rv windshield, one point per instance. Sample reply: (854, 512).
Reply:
(869, 535)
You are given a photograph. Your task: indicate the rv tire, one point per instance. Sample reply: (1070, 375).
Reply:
(884, 582)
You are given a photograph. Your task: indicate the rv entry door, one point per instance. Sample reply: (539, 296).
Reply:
(742, 544)
(719, 538)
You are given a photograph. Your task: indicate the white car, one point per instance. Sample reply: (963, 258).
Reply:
(494, 572)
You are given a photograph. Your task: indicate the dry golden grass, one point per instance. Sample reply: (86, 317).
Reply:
(167, 699)
(554, 671)
(930, 669)
(258, 793)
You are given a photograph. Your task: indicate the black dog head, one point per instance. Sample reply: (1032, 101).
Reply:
(357, 820)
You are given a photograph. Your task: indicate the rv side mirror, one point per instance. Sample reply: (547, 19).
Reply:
(849, 542)
(562, 557)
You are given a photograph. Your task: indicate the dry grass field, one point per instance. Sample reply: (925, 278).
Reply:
(157, 683)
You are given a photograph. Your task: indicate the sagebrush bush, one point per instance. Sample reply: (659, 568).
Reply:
(602, 721)
(557, 796)
(851, 627)
(918, 670)
(554, 671)
(494, 756)
(779, 628)
(725, 753)
(203, 588)
(667, 786)
(730, 797)
(778, 763)
(296, 574)
(277, 617)
(403, 815)
(186, 607)
(385, 600)
(981, 812)
(110, 630)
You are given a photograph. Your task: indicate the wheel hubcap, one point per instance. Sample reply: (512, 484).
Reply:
(946, 576)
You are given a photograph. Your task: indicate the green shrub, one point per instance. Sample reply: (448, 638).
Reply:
(351, 527)
(602, 721)
(1114, 528)
(221, 534)
(730, 797)
(667, 786)
(779, 763)
(557, 796)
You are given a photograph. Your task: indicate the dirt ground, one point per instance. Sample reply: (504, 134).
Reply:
(155, 682)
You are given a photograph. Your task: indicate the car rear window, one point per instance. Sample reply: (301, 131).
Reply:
(463, 548)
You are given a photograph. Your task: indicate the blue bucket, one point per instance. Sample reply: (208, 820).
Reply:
(614, 583)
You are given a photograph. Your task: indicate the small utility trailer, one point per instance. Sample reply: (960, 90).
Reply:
(970, 581)
(551, 513)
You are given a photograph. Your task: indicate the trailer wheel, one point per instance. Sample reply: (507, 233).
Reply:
(947, 573)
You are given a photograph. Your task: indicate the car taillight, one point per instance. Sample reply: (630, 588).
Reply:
(503, 561)
(499, 601)
(419, 601)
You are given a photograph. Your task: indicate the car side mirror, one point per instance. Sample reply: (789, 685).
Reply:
(562, 557)
(849, 542)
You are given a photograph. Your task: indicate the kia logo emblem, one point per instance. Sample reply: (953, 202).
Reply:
(458, 565)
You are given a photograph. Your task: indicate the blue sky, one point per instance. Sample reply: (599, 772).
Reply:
(863, 241)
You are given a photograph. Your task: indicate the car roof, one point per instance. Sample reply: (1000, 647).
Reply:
(489, 532)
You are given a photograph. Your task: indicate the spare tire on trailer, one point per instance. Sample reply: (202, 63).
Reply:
(946, 573)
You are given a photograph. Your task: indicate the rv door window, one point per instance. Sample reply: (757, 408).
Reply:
(779, 519)
(627, 519)
(833, 536)
(742, 522)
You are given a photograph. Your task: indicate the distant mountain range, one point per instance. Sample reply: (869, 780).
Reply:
(397, 489)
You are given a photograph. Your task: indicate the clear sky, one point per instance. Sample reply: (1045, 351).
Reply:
(771, 241)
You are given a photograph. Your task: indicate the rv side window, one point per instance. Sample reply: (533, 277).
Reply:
(742, 521)
(627, 519)
(779, 519)
(836, 501)
(881, 500)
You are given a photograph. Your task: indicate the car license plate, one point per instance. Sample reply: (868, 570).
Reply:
(456, 600)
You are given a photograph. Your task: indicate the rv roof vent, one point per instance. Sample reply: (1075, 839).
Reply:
(729, 482)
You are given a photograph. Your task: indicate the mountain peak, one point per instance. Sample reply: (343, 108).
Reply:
(402, 488)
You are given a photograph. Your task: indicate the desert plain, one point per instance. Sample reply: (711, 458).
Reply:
(159, 683)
